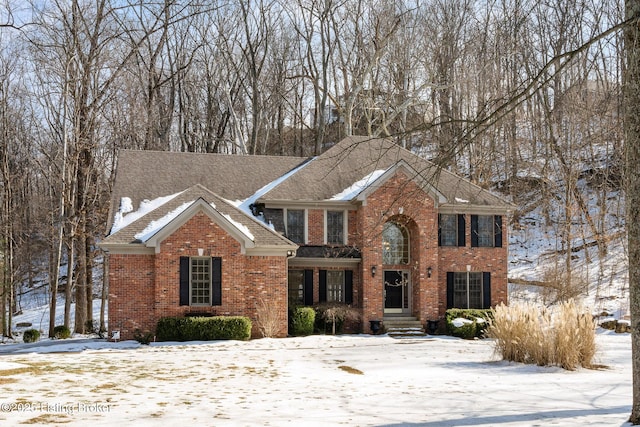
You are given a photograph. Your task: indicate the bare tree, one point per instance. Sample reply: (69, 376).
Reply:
(632, 186)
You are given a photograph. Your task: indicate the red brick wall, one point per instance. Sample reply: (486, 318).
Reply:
(493, 260)
(245, 279)
(315, 226)
(131, 287)
(401, 200)
(144, 288)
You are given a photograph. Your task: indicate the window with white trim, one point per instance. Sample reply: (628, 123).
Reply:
(335, 286)
(296, 287)
(467, 290)
(295, 225)
(395, 244)
(448, 229)
(200, 281)
(485, 231)
(335, 227)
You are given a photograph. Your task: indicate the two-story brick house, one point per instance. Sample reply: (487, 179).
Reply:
(366, 223)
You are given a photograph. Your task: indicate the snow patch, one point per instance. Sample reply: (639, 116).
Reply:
(354, 189)
(245, 205)
(241, 227)
(124, 216)
(459, 322)
(459, 200)
(126, 205)
(154, 226)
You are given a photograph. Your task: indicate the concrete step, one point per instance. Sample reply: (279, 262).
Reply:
(398, 327)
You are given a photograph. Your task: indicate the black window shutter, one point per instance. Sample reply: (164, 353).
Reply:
(439, 230)
(323, 286)
(184, 280)
(348, 287)
(462, 240)
(449, 289)
(308, 287)
(474, 231)
(216, 281)
(498, 231)
(486, 289)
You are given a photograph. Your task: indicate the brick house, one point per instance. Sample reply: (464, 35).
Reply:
(367, 223)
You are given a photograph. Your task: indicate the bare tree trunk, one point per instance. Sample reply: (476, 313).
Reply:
(68, 289)
(105, 293)
(632, 187)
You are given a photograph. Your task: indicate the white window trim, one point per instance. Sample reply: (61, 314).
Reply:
(306, 223)
(345, 225)
(210, 262)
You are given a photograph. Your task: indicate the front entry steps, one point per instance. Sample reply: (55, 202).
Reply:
(403, 327)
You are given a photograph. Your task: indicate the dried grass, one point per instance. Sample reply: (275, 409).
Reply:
(268, 319)
(563, 335)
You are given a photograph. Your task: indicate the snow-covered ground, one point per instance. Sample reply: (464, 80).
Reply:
(318, 380)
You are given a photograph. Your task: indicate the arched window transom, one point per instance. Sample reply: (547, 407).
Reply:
(395, 244)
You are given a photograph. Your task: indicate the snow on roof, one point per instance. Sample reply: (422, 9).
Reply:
(126, 216)
(245, 205)
(354, 189)
(459, 200)
(154, 226)
(241, 227)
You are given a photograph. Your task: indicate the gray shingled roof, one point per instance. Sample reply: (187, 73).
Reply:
(150, 174)
(263, 236)
(356, 157)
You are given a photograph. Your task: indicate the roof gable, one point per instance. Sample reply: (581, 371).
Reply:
(411, 173)
(143, 174)
(235, 229)
(341, 167)
(150, 229)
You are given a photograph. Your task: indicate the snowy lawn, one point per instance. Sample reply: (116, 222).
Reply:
(316, 380)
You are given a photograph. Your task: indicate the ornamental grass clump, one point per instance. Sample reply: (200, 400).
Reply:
(563, 335)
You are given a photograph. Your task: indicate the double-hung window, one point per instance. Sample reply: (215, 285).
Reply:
(200, 289)
(486, 231)
(448, 230)
(200, 281)
(335, 286)
(469, 289)
(335, 227)
(295, 225)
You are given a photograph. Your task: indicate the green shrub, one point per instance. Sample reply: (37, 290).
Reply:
(61, 332)
(466, 330)
(203, 328)
(31, 335)
(480, 319)
(301, 321)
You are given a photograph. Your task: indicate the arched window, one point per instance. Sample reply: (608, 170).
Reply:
(395, 244)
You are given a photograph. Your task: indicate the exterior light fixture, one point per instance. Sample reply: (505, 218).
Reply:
(429, 272)
(373, 271)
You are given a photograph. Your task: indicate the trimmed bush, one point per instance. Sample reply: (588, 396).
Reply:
(61, 332)
(31, 335)
(475, 328)
(301, 321)
(203, 328)
(462, 328)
